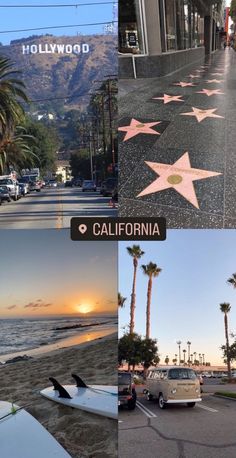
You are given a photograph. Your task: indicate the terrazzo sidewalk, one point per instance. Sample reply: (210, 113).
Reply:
(177, 145)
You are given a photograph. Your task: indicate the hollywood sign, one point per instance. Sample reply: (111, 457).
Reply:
(52, 48)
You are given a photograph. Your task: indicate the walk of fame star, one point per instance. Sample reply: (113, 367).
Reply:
(202, 114)
(184, 84)
(137, 127)
(179, 176)
(217, 74)
(209, 92)
(214, 81)
(169, 98)
(193, 76)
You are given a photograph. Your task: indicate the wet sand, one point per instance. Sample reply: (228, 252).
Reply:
(82, 434)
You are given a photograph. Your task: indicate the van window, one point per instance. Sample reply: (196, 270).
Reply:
(182, 374)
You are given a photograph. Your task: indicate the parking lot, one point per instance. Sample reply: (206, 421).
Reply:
(206, 431)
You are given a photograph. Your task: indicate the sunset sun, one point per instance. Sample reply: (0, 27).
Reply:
(84, 308)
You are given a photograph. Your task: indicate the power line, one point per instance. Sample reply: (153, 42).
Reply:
(76, 5)
(57, 27)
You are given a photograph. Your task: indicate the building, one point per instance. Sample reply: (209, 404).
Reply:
(63, 170)
(156, 37)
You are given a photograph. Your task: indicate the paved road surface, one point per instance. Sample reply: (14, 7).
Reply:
(206, 431)
(53, 209)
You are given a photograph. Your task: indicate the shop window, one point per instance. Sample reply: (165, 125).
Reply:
(130, 27)
(170, 25)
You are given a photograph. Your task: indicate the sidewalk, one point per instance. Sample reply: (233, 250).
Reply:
(177, 145)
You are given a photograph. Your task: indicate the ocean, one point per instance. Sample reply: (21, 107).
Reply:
(24, 334)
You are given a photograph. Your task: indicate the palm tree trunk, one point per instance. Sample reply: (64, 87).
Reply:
(133, 298)
(227, 345)
(148, 310)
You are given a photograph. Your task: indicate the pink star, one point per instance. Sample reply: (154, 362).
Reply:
(208, 92)
(138, 127)
(200, 71)
(183, 84)
(179, 176)
(202, 114)
(217, 74)
(169, 98)
(214, 81)
(193, 76)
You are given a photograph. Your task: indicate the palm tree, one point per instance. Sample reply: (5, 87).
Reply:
(179, 345)
(200, 358)
(203, 359)
(11, 92)
(225, 308)
(184, 352)
(195, 356)
(16, 151)
(121, 300)
(232, 280)
(152, 271)
(189, 345)
(191, 360)
(167, 359)
(136, 253)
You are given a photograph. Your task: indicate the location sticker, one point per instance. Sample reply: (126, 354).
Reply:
(94, 229)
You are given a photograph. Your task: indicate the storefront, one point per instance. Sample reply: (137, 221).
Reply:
(150, 31)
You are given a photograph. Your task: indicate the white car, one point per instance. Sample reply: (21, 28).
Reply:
(12, 186)
(89, 185)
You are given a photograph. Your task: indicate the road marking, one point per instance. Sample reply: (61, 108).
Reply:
(145, 410)
(59, 222)
(206, 408)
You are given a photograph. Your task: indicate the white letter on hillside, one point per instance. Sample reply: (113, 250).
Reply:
(25, 49)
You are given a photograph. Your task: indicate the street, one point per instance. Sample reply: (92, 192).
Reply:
(206, 431)
(53, 209)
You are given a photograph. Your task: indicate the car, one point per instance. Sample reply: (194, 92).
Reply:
(25, 182)
(200, 378)
(35, 186)
(89, 185)
(4, 194)
(109, 186)
(23, 188)
(12, 187)
(127, 395)
(68, 184)
(52, 184)
(173, 385)
(76, 182)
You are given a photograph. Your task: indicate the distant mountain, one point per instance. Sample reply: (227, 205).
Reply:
(57, 67)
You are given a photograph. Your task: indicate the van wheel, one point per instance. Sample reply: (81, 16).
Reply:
(149, 397)
(161, 402)
(15, 198)
(191, 404)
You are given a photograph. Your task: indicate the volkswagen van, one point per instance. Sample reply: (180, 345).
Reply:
(173, 385)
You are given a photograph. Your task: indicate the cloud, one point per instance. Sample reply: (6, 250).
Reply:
(11, 307)
(36, 305)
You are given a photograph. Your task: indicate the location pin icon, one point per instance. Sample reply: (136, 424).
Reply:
(82, 228)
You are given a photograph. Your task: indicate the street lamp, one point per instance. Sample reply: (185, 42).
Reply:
(179, 345)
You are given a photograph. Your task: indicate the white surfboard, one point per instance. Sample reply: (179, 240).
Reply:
(98, 399)
(22, 436)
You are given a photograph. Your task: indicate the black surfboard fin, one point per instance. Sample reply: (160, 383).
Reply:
(58, 387)
(79, 381)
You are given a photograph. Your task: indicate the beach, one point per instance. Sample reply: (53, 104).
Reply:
(82, 434)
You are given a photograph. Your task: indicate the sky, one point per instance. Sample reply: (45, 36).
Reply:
(186, 295)
(44, 273)
(24, 18)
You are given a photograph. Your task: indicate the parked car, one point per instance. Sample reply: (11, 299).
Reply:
(173, 385)
(12, 187)
(25, 183)
(35, 186)
(52, 184)
(68, 184)
(109, 186)
(89, 185)
(23, 188)
(127, 395)
(76, 182)
(4, 194)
